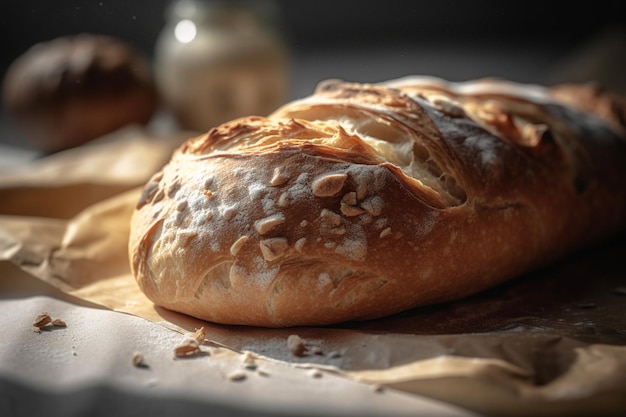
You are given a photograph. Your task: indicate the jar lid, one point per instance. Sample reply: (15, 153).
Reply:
(225, 11)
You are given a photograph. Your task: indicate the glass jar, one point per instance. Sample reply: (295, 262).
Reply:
(216, 60)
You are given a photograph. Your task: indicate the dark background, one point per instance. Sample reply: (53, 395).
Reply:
(324, 23)
(365, 40)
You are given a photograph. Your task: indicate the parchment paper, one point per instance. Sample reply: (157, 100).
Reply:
(549, 343)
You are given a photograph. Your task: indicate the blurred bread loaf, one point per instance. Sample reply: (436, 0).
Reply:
(365, 200)
(68, 91)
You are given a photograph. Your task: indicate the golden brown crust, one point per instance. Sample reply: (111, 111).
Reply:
(366, 200)
(594, 98)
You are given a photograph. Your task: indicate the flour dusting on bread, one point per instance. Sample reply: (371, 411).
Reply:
(365, 200)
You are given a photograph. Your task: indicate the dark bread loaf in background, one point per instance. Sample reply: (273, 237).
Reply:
(364, 200)
(70, 90)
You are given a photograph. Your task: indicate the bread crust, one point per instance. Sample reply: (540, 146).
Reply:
(365, 200)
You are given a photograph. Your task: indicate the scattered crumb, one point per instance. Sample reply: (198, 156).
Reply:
(315, 373)
(299, 347)
(261, 372)
(138, 360)
(296, 345)
(247, 359)
(188, 348)
(237, 376)
(198, 335)
(377, 388)
(58, 323)
(43, 320)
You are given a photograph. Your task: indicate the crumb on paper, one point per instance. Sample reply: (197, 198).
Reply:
(58, 323)
(198, 335)
(138, 360)
(299, 347)
(296, 345)
(237, 376)
(248, 361)
(315, 373)
(44, 320)
(188, 348)
(377, 388)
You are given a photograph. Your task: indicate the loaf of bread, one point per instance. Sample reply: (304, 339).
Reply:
(365, 200)
(67, 91)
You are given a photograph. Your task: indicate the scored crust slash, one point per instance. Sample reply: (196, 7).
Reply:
(365, 200)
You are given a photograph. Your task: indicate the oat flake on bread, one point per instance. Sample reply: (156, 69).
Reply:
(365, 200)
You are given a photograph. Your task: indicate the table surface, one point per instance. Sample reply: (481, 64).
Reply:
(86, 369)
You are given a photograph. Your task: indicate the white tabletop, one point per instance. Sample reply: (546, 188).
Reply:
(86, 369)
